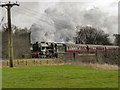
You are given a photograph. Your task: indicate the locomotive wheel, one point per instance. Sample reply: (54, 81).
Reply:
(36, 56)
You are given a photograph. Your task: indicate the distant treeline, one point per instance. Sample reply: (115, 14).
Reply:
(21, 43)
(91, 35)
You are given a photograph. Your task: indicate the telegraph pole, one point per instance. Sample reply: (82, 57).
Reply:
(8, 6)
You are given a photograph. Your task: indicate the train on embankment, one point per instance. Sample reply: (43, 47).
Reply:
(52, 49)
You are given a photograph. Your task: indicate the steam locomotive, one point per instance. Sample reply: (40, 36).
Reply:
(51, 49)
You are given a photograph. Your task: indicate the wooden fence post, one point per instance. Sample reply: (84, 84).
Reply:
(26, 62)
(47, 61)
(18, 62)
(7, 63)
(74, 56)
(34, 61)
(40, 62)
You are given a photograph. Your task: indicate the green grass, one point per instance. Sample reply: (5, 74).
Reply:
(58, 76)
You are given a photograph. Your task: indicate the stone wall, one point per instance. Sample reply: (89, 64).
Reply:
(82, 57)
(66, 56)
(99, 57)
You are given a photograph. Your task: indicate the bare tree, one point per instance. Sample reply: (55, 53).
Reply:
(117, 39)
(90, 35)
(21, 42)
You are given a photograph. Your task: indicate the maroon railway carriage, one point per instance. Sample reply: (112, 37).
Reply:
(84, 48)
(76, 48)
(96, 48)
(90, 48)
(111, 48)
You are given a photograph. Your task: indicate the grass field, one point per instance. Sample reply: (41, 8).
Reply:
(58, 76)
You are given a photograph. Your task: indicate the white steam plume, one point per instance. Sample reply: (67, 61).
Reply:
(60, 21)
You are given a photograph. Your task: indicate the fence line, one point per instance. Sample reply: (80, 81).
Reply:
(110, 58)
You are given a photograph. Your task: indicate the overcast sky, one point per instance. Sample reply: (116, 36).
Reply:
(99, 13)
(36, 8)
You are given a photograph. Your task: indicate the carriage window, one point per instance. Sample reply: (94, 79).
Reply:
(68, 48)
(82, 47)
(76, 48)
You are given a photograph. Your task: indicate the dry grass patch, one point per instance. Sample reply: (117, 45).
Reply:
(97, 65)
(102, 66)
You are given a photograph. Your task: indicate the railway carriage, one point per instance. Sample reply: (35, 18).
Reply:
(96, 48)
(111, 48)
(76, 48)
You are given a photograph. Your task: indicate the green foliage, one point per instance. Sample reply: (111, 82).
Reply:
(59, 76)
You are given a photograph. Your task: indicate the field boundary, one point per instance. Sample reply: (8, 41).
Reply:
(38, 62)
